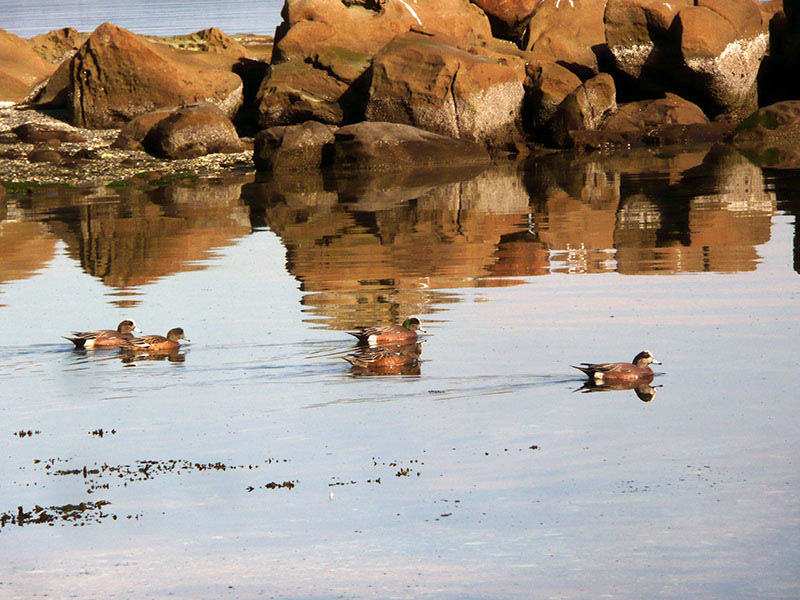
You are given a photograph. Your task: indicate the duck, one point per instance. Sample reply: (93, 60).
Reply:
(104, 338)
(156, 343)
(389, 334)
(401, 358)
(636, 370)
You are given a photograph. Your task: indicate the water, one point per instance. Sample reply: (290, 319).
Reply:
(257, 464)
(155, 17)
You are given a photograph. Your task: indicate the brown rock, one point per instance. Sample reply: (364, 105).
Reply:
(546, 86)
(392, 146)
(509, 18)
(45, 155)
(57, 45)
(193, 131)
(296, 92)
(639, 38)
(722, 44)
(583, 109)
(21, 69)
(422, 81)
(292, 148)
(33, 133)
(647, 115)
(769, 136)
(132, 134)
(339, 39)
(117, 75)
(212, 40)
(569, 32)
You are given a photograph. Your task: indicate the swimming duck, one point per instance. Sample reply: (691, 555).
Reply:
(637, 370)
(389, 334)
(156, 343)
(104, 338)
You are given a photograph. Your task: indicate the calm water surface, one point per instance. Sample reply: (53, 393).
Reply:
(27, 18)
(256, 464)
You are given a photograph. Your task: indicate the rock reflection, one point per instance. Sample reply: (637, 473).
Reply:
(702, 211)
(137, 236)
(644, 391)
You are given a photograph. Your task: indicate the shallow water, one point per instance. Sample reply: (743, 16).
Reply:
(27, 18)
(256, 463)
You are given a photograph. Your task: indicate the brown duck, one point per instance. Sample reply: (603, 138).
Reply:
(156, 343)
(637, 370)
(104, 338)
(389, 334)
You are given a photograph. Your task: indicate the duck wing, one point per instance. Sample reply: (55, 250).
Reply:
(145, 341)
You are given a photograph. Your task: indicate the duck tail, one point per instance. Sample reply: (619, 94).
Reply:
(588, 371)
(79, 342)
(354, 360)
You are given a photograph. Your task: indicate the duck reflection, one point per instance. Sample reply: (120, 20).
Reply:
(643, 390)
(130, 358)
(398, 359)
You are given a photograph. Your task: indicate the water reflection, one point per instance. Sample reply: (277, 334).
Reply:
(644, 391)
(372, 250)
(135, 236)
(395, 359)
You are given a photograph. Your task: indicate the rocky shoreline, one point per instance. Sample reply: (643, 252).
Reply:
(384, 85)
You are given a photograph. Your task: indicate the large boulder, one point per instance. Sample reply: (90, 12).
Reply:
(378, 146)
(583, 109)
(769, 136)
(569, 32)
(132, 134)
(21, 69)
(509, 18)
(705, 50)
(117, 75)
(722, 44)
(546, 86)
(292, 148)
(339, 39)
(295, 92)
(193, 131)
(422, 81)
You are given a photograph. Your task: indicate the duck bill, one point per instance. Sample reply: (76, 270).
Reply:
(657, 362)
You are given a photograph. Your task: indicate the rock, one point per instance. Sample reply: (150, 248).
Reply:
(21, 69)
(509, 18)
(57, 45)
(646, 115)
(640, 40)
(45, 155)
(421, 81)
(212, 40)
(546, 86)
(33, 133)
(769, 136)
(132, 134)
(193, 131)
(113, 62)
(569, 32)
(708, 51)
(777, 78)
(394, 146)
(660, 122)
(339, 39)
(722, 43)
(296, 92)
(583, 109)
(292, 148)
